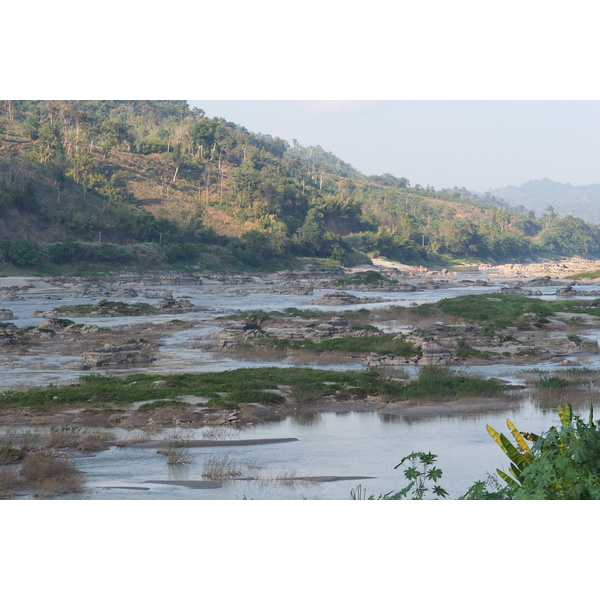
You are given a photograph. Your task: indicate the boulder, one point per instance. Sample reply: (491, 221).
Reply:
(120, 355)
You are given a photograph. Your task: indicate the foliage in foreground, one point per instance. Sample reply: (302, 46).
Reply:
(562, 464)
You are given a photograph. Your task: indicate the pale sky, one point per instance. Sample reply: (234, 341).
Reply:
(465, 93)
(478, 144)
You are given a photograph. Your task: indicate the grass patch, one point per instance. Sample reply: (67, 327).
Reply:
(466, 351)
(248, 396)
(436, 382)
(497, 311)
(364, 327)
(584, 275)
(160, 404)
(107, 307)
(549, 382)
(379, 344)
(246, 385)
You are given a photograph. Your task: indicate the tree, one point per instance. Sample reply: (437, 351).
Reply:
(21, 252)
(312, 233)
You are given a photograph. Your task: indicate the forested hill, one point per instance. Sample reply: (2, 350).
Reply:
(544, 195)
(151, 182)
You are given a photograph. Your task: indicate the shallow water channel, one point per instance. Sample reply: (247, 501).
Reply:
(339, 450)
(358, 448)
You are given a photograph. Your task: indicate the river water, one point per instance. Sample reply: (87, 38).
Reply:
(360, 447)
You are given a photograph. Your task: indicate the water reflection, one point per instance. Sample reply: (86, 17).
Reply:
(332, 444)
(308, 419)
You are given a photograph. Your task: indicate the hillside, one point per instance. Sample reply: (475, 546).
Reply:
(155, 182)
(565, 199)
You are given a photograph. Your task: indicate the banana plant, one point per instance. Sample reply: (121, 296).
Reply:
(519, 454)
(566, 415)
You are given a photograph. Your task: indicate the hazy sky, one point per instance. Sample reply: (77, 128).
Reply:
(480, 145)
(463, 93)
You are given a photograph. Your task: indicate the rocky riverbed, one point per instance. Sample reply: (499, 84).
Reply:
(128, 334)
(54, 330)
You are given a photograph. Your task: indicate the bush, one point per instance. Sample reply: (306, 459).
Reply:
(20, 252)
(49, 475)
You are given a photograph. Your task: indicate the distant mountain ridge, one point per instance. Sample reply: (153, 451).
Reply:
(577, 200)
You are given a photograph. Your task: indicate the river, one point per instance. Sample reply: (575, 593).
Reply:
(360, 447)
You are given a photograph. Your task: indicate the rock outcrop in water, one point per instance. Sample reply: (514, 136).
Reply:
(128, 354)
(344, 299)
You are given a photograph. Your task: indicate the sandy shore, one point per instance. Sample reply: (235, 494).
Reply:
(38, 283)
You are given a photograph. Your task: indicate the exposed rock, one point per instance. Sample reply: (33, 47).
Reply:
(8, 334)
(126, 293)
(239, 332)
(343, 299)
(56, 323)
(6, 314)
(170, 304)
(76, 365)
(293, 291)
(389, 360)
(86, 329)
(566, 291)
(159, 384)
(120, 355)
(336, 327)
(10, 296)
(435, 354)
(547, 280)
(519, 291)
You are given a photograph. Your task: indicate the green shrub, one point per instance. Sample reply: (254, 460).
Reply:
(248, 396)
(550, 382)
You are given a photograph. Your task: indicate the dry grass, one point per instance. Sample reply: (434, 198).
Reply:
(177, 435)
(288, 477)
(63, 437)
(9, 454)
(223, 467)
(219, 433)
(48, 475)
(10, 483)
(141, 435)
(77, 438)
(177, 453)
(578, 398)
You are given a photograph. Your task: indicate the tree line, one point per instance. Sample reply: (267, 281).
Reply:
(286, 200)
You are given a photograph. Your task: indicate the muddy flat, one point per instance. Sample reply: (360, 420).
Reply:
(329, 478)
(208, 443)
(192, 484)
